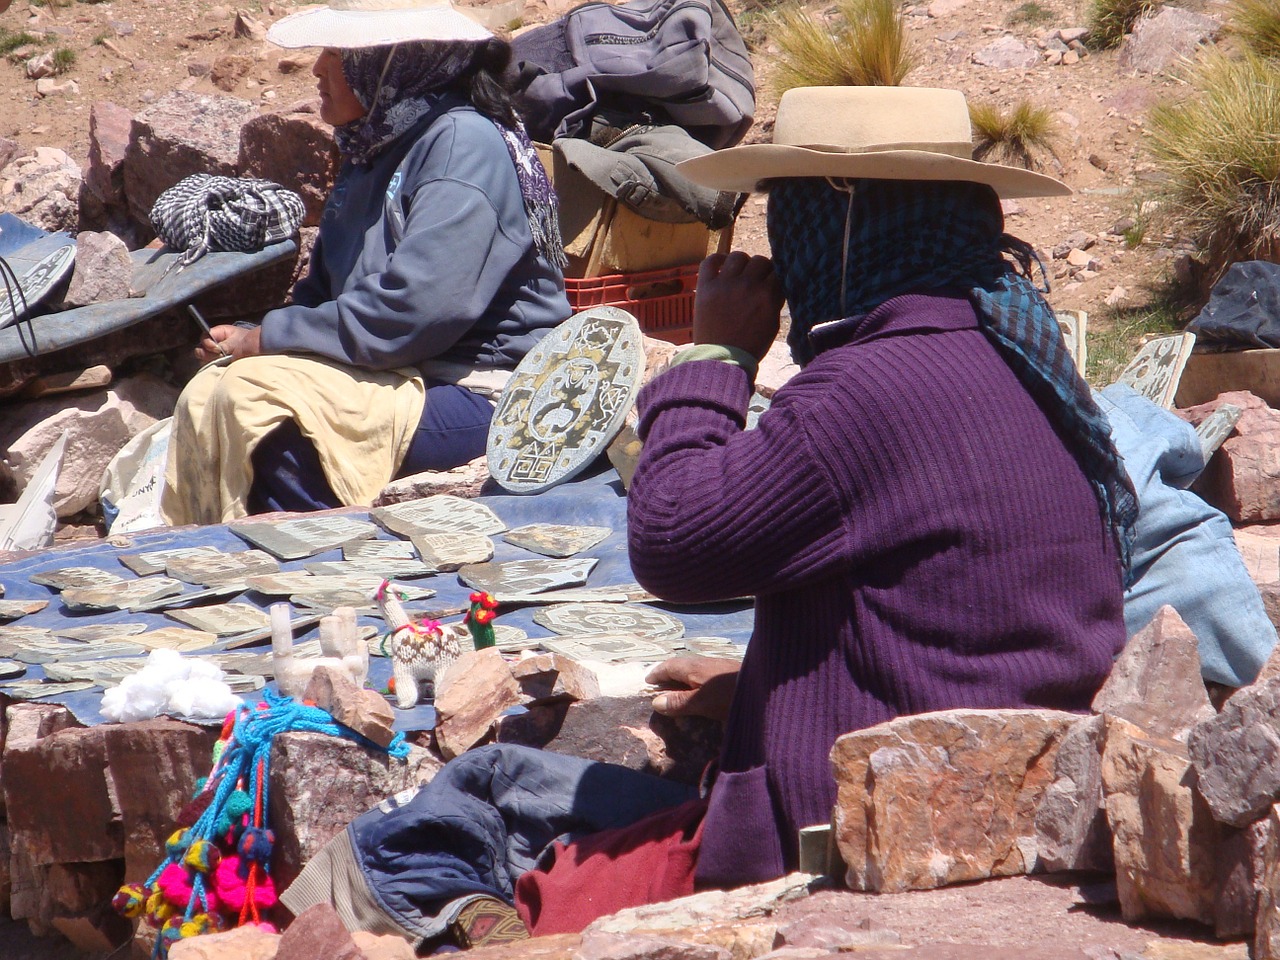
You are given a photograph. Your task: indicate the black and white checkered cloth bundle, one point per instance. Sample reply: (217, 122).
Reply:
(204, 213)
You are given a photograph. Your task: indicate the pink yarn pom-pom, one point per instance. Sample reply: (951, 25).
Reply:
(230, 887)
(174, 883)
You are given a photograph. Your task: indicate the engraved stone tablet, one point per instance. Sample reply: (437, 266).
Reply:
(279, 584)
(608, 647)
(223, 619)
(102, 631)
(175, 638)
(566, 400)
(296, 582)
(387, 568)
(379, 549)
(102, 673)
(1215, 428)
(70, 578)
(1074, 325)
(1157, 369)
(446, 552)
(11, 668)
(222, 567)
(615, 618)
(359, 595)
(145, 564)
(38, 689)
(13, 609)
(715, 647)
(442, 513)
(36, 283)
(221, 592)
(555, 539)
(758, 404)
(526, 576)
(295, 539)
(121, 595)
(67, 651)
(20, 634)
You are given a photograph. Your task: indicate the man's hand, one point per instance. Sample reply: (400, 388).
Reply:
(738, 303)
(706, 686)
(237, 342)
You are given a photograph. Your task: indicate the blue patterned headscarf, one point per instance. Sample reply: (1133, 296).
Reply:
(841, 251)
(399, 85)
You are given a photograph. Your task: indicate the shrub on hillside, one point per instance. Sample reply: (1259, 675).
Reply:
(1110, 20)
(865, 46)
(1257, 23)
(1219, 151)
(1017, 137)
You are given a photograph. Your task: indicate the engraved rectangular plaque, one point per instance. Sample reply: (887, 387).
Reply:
(304, 537)
(210, 571)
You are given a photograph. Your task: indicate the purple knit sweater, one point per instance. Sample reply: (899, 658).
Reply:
(915, 533)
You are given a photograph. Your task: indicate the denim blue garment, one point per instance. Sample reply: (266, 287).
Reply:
(485, 819)
(1184, 554)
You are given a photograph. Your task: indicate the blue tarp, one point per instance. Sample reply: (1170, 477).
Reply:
(596, 500)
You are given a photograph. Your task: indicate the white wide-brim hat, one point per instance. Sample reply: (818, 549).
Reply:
(881, 133)
(348, 24)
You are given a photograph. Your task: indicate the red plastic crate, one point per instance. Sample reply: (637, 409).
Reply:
(660, 300)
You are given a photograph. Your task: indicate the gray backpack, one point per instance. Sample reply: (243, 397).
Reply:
(662, 61)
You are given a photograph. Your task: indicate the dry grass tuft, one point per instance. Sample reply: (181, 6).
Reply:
(1257, 23)
(1018, 137)
(1110, 20)
(1220, 153)
(866, 46)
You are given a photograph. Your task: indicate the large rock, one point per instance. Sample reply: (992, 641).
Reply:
(1165, 38)
(153, 766)
(1241, 864)
(296, 150)
(242, 943)
(109, 126)
(701, 910)
(307, 810)
(464, 481)
(1241, 478)
(621, 730)
(97, 425)
(365, 711)
(60, 802)
(549, 678)
(1159, 667)
(103, 270)
(1165, 837)
(1071, 824)
(1237, 754)
(8, 148)
(940, 798)
(317, 932)
(1266, 941)
(473, 692)
(43, 188)
(1007, 53)
(180, 134)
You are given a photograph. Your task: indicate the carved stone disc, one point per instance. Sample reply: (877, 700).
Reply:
(611, 618)
(566, 400)
(36, 283)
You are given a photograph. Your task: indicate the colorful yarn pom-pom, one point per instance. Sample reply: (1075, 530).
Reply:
(130, 900)
(255, 845)
(202, 856)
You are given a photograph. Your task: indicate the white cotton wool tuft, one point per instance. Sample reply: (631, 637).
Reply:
(170, 683)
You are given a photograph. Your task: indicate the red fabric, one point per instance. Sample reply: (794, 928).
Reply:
(650, 861)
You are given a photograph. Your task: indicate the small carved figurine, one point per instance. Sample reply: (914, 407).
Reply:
(339, 642)
(419, 651)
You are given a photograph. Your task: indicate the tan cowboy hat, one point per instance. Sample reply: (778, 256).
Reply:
(882, 133)
(348, 24)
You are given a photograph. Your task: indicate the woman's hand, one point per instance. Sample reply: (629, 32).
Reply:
(738, 303)
(706, 684)
(236, 342)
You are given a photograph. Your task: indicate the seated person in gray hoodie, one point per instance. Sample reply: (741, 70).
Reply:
(438, 258)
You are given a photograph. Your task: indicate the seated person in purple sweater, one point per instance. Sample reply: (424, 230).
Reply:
(437, 267)
(930, 516)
